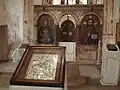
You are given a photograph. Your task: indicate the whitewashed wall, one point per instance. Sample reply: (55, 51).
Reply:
(3, 14)
(15, 10)
(70, 50)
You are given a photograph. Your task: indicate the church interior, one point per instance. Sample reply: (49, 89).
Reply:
(60, 45)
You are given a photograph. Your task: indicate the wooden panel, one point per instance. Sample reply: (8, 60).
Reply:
(4, 43)
(89, 30)
(70, 50)
(45, 31)
(67, 31)
(89, 35)
(29, 72)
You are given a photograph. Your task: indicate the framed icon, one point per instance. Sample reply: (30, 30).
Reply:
(41, 66)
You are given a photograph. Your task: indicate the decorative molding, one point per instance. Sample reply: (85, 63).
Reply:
(69, 8)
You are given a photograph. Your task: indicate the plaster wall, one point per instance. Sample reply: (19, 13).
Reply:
(15, 10)
(3, 14)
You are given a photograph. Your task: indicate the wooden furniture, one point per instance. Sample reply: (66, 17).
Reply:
(41, 66)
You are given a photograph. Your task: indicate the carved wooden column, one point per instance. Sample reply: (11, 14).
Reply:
(90, 1)
(77, 1)
(57, 33)
(62, 2)
(77, 42)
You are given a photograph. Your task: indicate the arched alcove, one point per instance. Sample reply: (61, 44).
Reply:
(89, 29)
(89, 35)
(67, 15)
(67, 31)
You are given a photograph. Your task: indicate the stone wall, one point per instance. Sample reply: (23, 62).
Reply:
(116, 17)
(3, 14)
(15, 9)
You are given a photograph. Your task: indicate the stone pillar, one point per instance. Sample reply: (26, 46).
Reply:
(77, 33)
(57, 33)
(108, 17)
(77, 42)
(108, 36)
(31, 32)
(25, 32)
(108, 30)
(29, 22)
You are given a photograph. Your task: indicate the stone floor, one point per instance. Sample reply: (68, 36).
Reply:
(79, 77)
(85, 77)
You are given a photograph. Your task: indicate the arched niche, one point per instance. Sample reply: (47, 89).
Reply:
(67, 15)
(89, 32)
(67, 31)
(93, 13)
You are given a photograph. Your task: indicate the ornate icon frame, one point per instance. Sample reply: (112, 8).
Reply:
(18, 77)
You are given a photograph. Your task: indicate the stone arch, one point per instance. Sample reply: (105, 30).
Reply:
(96, 14)
(47, 13)
(75, 18)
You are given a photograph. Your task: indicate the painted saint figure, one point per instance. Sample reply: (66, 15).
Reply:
(92, 33)
(47, 33)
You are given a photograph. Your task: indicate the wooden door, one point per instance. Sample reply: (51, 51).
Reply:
(3, 43)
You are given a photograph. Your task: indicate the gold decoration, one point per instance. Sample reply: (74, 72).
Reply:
(42, 66)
